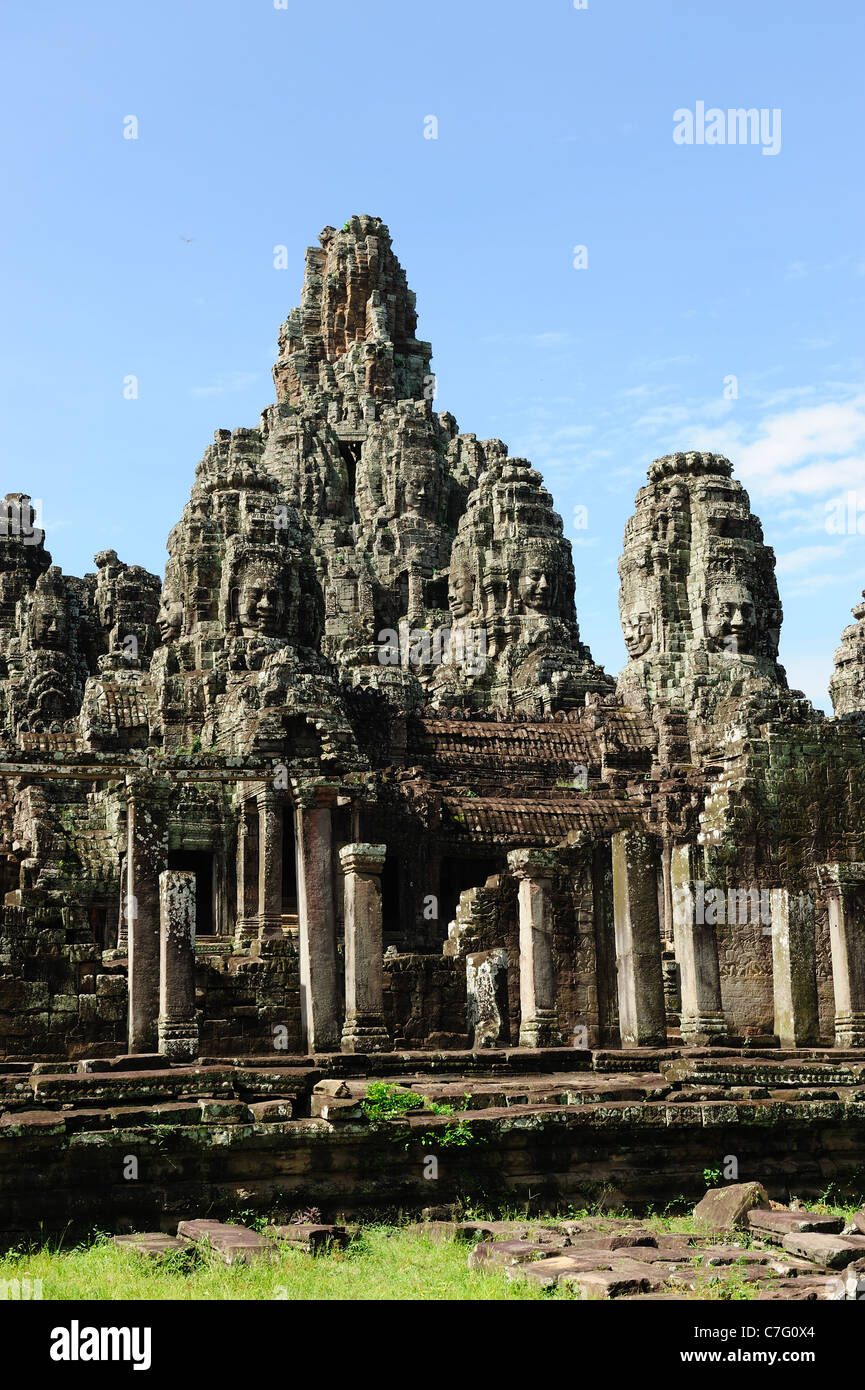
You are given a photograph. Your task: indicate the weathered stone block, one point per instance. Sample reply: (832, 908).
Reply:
(726, 1208)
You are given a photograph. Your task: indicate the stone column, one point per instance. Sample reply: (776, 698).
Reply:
(269, 863)
(221, 913)
(844, 886)
(539, 1021)
(702, 1017)
(122, 919)
(146, 857)
(794, 968)
(668, 933)
(247, 881)
(642, 1015)
(364, 1029)
(178, 1027)
(319, 977)
(487, 998)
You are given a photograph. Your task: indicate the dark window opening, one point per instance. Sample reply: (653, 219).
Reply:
(456, 876)
(199, 862)
(350, 454)
(391, 916)
(99, 926)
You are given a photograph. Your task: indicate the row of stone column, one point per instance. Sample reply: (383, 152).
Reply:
(160, 913)
(642, 1011)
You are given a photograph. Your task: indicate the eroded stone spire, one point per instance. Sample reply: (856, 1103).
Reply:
(847, 686)
(698, 600)
(351, 344)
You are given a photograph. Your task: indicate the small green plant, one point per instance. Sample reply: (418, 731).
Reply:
(712, 1177)
(384, 1103)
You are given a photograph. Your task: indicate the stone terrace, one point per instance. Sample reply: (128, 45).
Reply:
(551, 1126)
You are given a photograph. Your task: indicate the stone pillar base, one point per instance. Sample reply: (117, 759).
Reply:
(850, 1030)
(268, 928)
(244, 933)
(178, 1041)
(700, 1029)
(542, 1030)
(369, 1035)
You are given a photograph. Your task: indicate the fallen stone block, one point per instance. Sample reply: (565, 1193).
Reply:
(835, 1252)
(439, 1232)
(154, 1244)
(726, 1208)
(309, 1236)
(554, 1269)
(223, 1112)
(498, 1254)
(700, 1278)
(21, 1124)
(233, 1244)
(138, 1061)
(715, 1255)
(790, 1266)
(335, 1088)
(626, 1242)
(270, 1111)
(858, 1220)
(337, 1111)
(778, 1223)
(801, 1290)
(609, 1283)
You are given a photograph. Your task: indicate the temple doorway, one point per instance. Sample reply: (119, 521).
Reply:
(199, 862)
(457, 875)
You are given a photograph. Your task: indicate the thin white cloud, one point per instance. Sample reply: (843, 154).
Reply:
(226, 385)
(809, 450)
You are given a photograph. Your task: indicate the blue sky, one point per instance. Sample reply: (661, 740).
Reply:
(257, 126)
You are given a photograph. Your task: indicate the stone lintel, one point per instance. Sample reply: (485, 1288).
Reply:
(315, 795)
(837, 876)
(532, 863)
(361, 858)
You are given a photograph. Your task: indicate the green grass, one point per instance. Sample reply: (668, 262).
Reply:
(385, 1263)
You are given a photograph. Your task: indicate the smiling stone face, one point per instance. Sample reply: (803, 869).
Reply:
(731, 622)
(537, 586)
(261, 601)
(49, 625)
(461, 591)
(169, 620)
(420, 494)
(637, 632)
(49, 616)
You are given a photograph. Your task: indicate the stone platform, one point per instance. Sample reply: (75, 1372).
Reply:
(137, 1142)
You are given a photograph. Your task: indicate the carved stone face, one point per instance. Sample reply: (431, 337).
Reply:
(731, 624)
(537, 584)
(461, 593)
(169, 620)
(49, 623)
(419, 495)
(637, 631)
(261, 602)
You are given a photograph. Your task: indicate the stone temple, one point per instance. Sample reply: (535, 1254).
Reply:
(347, 795)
